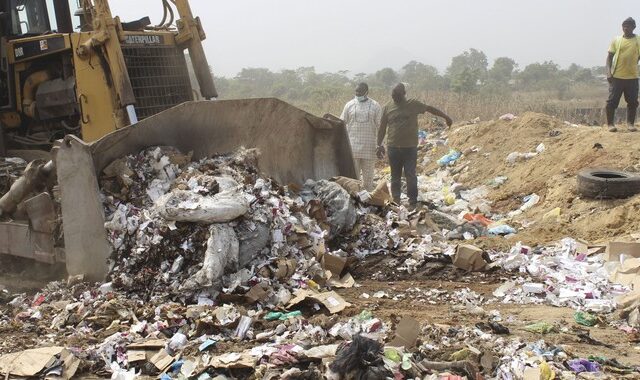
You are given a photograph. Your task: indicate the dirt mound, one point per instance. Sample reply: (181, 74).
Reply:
(551, 174)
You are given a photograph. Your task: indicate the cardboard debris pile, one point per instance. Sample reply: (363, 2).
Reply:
(184, 229)
(111, 335)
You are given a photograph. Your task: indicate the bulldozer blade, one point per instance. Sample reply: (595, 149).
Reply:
(294, 146)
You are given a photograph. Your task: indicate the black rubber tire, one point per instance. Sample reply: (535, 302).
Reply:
(607, 184)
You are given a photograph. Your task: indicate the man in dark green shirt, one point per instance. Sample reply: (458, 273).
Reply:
(400, 126)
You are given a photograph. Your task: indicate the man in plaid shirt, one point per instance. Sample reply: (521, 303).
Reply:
(362, 118)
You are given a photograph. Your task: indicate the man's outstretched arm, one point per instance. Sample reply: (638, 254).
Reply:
(437, 112)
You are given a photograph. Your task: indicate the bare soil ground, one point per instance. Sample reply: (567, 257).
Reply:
(522, 315)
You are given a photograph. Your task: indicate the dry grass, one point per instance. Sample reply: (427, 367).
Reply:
(462, 107)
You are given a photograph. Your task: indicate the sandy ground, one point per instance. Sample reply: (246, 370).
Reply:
(522, 315)
(551, 174)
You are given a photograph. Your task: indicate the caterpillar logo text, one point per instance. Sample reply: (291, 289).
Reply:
(143, 40)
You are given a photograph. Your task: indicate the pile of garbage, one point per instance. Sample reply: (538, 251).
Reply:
(218, 272)
(190, 230)
(564, 274)
(10, 169)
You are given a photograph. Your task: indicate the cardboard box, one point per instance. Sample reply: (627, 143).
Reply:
(617, 248)
(628, 273)
(286, 268)
(469, 258)
(334, 264)
(407, 333)
(352, 186)
(259, 292)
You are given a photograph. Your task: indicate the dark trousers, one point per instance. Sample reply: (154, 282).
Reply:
(618, 87)
(403, 159)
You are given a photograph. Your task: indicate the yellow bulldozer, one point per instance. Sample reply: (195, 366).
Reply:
(81, 88)
(72, 68)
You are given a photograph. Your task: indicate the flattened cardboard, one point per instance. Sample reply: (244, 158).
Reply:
(596, 249)
(629, 301)
(136, 356)
(317, 211)
(331, 300)
(582, 248)
(257, 293)
(345, 282)
(71, 364)
(531, 373)
(404, 229)
(244, 360)
(299, 296)
(617, 248)
(406, 333)
(148, 344)
(162, 360)
(28, 363)
(628, 273)
(318, 250)
(321, 352)
(469, 258)
(381, 196)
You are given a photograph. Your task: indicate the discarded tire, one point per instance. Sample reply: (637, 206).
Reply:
(607, 184)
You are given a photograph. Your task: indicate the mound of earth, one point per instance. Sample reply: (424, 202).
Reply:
(550, 174)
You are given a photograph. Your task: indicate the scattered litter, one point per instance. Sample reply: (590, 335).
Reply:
(585, 319)
(449, 158)
(502, 229)
(541, 328)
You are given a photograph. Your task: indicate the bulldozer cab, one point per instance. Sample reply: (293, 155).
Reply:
(71, 67)
(25, 18)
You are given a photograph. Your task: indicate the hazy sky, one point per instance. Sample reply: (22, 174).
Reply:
(366, 35)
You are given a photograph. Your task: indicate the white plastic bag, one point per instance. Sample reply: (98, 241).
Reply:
(222, 253)
(187, 206)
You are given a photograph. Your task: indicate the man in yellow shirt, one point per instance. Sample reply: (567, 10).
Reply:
(622, 74)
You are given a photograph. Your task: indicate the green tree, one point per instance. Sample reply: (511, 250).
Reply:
(360, 77)
(386, 78)
(464, 81)
(538, 75)
(468, 70)
(584, 75)
(577, 73)
(307, 75)
(502, 70)
(423, 77)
